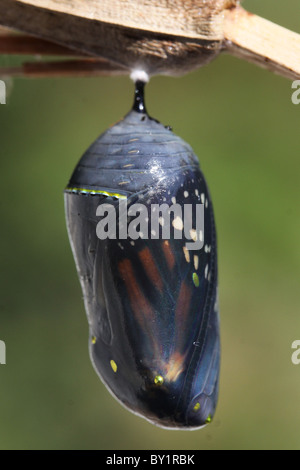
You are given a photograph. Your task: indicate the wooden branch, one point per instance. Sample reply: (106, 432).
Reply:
(266, 44)
(188, 18)
(70, 68)
(19, 44)
(160, 36)
(4, 31)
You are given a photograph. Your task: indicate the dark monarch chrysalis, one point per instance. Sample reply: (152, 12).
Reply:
(151, 300)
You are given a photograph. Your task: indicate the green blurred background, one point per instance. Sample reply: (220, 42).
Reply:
(243, 126)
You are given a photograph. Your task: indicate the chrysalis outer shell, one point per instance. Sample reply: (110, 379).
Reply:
(151, 304)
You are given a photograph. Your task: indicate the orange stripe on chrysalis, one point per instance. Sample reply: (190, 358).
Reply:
(181, 313)
(141, 308)
(151, 268)
(169, 255)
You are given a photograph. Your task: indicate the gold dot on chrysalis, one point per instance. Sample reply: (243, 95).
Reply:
(94, 339)
(158, 380)
(197, 407)
(113, 365)
(208, 419)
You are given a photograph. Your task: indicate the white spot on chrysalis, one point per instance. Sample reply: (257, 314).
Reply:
(177, 223)
(206, 271)
(193, 234)
(186, 254)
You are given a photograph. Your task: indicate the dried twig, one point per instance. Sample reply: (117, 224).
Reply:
(70, 68)
(266, 44)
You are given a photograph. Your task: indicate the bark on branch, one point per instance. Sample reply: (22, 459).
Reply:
(159, 36)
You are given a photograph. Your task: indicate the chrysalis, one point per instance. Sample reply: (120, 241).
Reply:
(141, 226)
